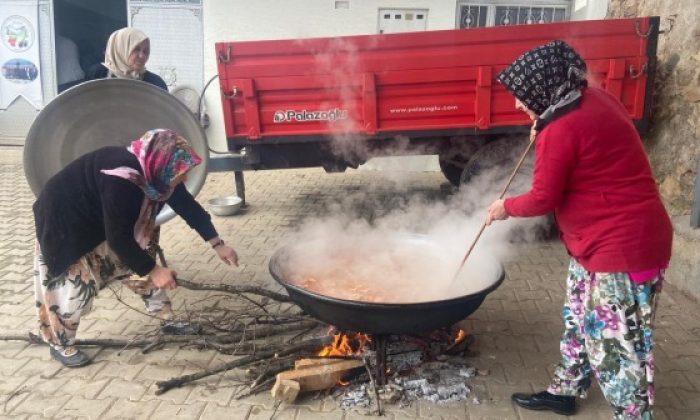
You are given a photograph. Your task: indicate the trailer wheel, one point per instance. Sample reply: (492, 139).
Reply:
(459, 152)
(500, 155)
(451, 170)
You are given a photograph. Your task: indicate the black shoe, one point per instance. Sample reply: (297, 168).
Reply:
(71, 357)
(172, 327)
(560, 404)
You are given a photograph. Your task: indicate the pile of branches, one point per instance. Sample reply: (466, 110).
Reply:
(261, 326)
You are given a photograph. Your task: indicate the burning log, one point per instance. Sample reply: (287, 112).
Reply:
(312, 375)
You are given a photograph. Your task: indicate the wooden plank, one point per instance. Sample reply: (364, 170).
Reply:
(318, 377)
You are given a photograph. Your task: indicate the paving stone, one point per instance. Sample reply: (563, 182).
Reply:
(168, 411)
(86, 408)
(524, 414)
(37, 367)
(127, 410)
(358, 415)
(492, 410)
(537, 376)
(452, 411)
(175, 395)
(36, 403)
(213, 411)
(9, 365)
(159, 372)
(124, 390)
(215, 390)
(305, 414)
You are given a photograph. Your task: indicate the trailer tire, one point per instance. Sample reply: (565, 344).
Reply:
(456, 156)
(451, 171)
(501, 155)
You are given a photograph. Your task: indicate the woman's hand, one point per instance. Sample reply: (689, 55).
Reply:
(163, 278)
(227, 255)
(496, 211)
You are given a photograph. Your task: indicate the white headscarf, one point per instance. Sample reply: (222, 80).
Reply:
(120, 45)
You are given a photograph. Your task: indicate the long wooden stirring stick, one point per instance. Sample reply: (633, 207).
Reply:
(503, 193)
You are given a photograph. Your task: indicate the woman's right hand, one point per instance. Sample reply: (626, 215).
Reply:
(163, 278)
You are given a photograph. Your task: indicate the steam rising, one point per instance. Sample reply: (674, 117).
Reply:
(410, 253)
(407, 250)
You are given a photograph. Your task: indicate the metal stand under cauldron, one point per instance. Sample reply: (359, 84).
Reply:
(380, 367)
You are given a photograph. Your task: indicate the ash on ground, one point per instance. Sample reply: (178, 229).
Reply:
(443, 380)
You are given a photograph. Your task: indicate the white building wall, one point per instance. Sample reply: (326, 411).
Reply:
(589, 9)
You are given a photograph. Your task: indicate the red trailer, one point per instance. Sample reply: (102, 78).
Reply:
(334, 102)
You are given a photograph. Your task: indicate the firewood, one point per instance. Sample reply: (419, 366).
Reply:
(285, 390)
(318, 361)
(318, 377)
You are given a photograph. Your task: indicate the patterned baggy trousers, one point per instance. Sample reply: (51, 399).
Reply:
(61, 300)
(608, 333)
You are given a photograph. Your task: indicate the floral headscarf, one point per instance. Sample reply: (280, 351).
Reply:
(163, 155)
(119, 46)
(545, 76)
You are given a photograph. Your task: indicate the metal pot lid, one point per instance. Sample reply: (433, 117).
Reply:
(107, 112)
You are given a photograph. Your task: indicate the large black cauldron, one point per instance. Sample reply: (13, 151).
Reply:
(385, 318)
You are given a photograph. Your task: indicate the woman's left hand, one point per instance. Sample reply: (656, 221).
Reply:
(227, 255)
(496, 211)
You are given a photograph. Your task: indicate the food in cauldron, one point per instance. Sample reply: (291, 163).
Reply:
(405, 269)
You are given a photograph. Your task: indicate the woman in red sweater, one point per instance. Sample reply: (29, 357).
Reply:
(591, 170)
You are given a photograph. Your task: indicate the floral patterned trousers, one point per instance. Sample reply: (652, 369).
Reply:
(61, 300)
(608, 332)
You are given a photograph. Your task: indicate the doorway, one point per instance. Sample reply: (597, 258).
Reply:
(82, 28)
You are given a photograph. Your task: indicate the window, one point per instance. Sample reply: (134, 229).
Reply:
(528, 15)
(473, 16)
(480, 14)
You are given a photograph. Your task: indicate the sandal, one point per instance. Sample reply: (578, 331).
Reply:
(71, 357)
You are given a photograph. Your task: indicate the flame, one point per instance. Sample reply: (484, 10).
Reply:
(460, 336)
(345, 345)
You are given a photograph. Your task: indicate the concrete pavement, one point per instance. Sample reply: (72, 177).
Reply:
(517, 329)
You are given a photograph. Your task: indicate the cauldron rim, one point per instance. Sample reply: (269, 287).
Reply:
(274, 268)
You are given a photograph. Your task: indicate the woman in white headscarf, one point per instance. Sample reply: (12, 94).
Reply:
(126, 55)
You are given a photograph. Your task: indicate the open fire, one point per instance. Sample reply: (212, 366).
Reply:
(395, 368)
(345, 344)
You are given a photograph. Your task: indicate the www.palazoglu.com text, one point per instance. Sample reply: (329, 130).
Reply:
(430, 108)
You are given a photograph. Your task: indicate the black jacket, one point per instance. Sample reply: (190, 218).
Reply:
(80, 207)
(100, 72)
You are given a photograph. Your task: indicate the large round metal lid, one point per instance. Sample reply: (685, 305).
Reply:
(107, 112)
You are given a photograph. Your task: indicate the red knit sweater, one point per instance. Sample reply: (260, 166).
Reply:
(592, 171)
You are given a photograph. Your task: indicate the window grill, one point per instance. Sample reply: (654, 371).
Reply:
(528, 15)
(473, 16)
(479, 14)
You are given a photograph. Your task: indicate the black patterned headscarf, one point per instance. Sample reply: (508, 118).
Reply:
(543, 76)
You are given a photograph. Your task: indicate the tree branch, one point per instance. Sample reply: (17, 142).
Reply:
(237, 290)
(176, 382)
